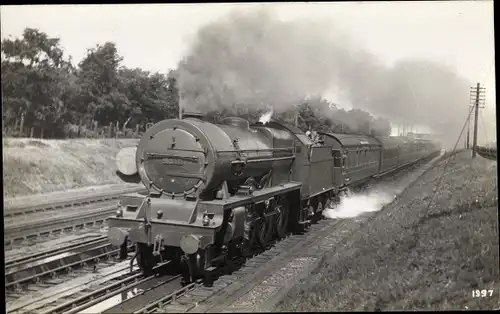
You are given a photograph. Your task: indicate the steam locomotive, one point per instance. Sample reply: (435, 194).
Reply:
(221, 190)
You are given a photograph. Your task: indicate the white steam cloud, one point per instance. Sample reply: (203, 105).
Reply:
(353, 205)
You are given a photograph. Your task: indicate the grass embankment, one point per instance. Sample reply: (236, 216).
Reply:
(33, 166)
(411, 258)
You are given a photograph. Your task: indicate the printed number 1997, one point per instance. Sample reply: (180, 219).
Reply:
(482, 293)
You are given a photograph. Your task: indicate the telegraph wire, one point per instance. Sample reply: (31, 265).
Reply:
(446, 166)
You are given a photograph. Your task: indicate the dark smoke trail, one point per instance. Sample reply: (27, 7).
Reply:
(254, 58)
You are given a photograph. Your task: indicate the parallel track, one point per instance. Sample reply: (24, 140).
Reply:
(39, 255)
(52, 292)
(35, 269)
(29, 230)
(117, 286)
(53, 204)
(488, 153)
(103, 292)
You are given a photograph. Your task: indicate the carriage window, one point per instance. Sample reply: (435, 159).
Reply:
(337, 158)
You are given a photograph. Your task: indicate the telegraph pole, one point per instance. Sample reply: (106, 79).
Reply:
(477, 98)
(180, 107)
(468, 133)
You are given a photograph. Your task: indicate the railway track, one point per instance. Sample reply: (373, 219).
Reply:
(166, 291)
(21, 249)
(13, 210)
(488, 153)
(36, 216)
(116, 290)
(24, 230)
(189, 299)
(92, 296)
(51, 293)
(44, 265)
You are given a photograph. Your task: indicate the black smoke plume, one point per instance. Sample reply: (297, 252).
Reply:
(256, 59)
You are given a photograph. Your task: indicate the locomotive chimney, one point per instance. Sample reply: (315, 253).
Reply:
(195, 115)
(237, 122)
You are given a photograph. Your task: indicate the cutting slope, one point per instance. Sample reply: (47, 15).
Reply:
(411, 258)
(38, 166)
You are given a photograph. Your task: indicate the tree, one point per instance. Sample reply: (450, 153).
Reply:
(35, 81)
(152, 97)
(52, 95)
(101, 98)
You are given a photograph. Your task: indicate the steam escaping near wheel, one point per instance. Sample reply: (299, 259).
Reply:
(125, 161)
(266, 117)
(353, 205)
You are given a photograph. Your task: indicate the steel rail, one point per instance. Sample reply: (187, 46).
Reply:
(44, 254)
(155, 305)
(27, 230)
(99, 295)
(66, 263)
(105, 293)
(51, 204)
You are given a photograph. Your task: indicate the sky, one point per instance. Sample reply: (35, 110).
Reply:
(156, 36)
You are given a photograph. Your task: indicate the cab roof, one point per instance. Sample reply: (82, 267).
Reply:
(353, 140)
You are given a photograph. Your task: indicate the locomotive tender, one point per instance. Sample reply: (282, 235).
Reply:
(220, 190)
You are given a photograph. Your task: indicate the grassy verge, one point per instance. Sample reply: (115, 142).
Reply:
(414, 257)
(40, 166)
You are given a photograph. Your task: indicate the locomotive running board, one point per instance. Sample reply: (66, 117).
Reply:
(255, 197)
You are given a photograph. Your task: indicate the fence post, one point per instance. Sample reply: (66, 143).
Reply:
(79, 128)
(31, 132)
(136, 130)
(22, 124)
(95, 129)
(110, 129)
(117, 129)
